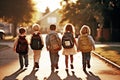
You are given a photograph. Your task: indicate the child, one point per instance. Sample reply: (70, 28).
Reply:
(68, 46)
(36, 44)
(85, 45)
(53, 45)
(21, 47)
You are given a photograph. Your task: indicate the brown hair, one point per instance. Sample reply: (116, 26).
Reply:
(36, 27)
(85, 30)
(52, 27)
(21, 30)
(69, 27)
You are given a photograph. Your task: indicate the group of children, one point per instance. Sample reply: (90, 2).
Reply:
(54, 44)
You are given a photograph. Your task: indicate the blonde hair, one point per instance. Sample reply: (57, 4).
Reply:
(69, 27)
(36, 27)
(85, 30)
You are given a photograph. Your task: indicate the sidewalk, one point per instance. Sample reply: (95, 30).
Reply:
(9, 66)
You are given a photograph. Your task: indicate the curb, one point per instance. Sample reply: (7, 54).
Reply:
(106, 60)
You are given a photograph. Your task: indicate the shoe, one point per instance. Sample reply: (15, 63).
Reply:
(66, 69)
(72, 66)
(88, 65)
(84, 70)
(56, 67)
(36, 65)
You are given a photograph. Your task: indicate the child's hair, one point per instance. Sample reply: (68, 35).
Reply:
(52, 27)
(69, 27)
(22, 30)
(36, 27)
(85, 30)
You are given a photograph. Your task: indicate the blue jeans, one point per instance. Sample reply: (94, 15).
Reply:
(86, 56)
(54, 58)
(23, 60)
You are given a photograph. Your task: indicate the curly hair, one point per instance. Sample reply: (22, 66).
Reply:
(85, 30)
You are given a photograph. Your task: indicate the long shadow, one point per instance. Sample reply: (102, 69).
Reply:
(31, 76)
(71, 77)
(91, 76)
(14, 75)
(53, 76)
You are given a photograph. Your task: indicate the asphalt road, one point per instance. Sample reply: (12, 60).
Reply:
(9, 68)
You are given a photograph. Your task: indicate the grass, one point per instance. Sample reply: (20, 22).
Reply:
(110, 52)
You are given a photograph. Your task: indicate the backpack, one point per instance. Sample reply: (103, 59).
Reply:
(85, 44)
(55, 43)
(36, 42)
(68, 40)
(22, 45)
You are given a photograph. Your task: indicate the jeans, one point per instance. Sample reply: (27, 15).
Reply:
(54, 58)
(86, 59)
(23, 60)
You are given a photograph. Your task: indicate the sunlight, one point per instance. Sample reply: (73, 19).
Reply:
(51, 4)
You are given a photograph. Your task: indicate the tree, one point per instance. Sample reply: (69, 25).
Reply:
(47, 10)
(81, 12)
(16, 12)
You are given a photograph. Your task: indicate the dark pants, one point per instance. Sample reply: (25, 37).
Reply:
(54, 58)
(86, 59)
(23, 60)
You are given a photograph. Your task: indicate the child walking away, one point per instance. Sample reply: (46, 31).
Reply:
(85, 45)
(68, 41)
(21, 47)
(53, 45)
(36, 44)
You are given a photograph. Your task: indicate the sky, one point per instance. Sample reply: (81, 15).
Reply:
(42, 4)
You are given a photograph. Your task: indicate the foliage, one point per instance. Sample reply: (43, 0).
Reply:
(20, 10)
(16, 11)
(105, 13)
(82, 12)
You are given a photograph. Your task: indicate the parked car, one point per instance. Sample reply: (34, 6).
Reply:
(2, 34)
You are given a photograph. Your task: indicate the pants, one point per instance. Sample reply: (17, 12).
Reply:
(54, 57)
(23, 60)
(86, 58)
(37, 54)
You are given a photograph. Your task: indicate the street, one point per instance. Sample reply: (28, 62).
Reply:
(9, 68)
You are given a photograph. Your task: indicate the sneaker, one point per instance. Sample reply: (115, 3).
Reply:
(88, 65)
(36, 65)
(72, 66)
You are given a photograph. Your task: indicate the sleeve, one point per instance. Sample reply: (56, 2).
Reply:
(15, 43)
(47, 40)
(93, 42)
(78, 42)
(42, 39)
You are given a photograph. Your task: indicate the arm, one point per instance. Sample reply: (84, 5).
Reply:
(15, 44)
(93, 42)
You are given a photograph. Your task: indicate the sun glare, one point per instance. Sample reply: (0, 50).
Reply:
(42, 4)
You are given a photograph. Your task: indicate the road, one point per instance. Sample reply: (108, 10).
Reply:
(9, 68)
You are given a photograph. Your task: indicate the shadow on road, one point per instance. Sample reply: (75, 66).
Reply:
(31, 76)
(91, 76)
(14, 75)
(71, 77)
(53, 76)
